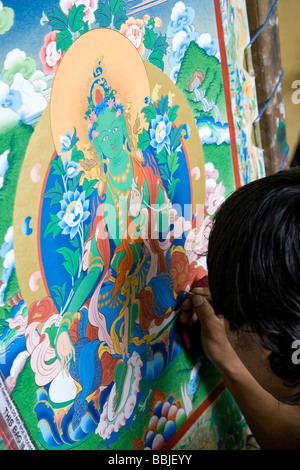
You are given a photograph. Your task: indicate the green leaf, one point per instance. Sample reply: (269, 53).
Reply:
(58, 168)
(75, 242)
(3, 326)
(75, 17)
(164, 171)
(172, 187)
(52, 332)
(173, 162)
(60, 292)
(55, 193)
(149, 38)
(74, 182)
(86, 231)
(88, 186)
(120, 18)
(163, 105)
(162, 156)
(57, 19)
(74, 139)
(116, 5)
(53, 226)
(150, 112)
(103, 15)
(85, 28)
(144, 140)
(161, 44)
(71, 263)
(76, 154)
(151, 22)
(64, 40)
(175, 135)
(156, 59)
(173, 113)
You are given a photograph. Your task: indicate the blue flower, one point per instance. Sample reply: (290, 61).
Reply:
(92, 129)
(71, 168)
(160, 131)
(66, 141)
(120, 107)
(101, 107)
(74, 211)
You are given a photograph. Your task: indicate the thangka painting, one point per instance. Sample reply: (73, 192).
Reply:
(123, 127)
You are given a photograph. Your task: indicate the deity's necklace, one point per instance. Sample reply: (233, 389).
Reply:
(117, 194)
(123, 177)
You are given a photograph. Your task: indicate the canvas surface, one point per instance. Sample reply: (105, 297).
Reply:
(123, 127)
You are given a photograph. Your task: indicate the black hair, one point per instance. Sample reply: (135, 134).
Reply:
(254, 265)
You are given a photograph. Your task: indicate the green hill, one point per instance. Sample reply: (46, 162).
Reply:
(196, 59)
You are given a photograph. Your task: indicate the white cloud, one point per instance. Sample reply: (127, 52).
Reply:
(32, 102)
(4, 90)
(3, 166)
(13, 57)
(216, 135)
(209, 44)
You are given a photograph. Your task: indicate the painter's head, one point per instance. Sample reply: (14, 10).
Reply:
(254, 275)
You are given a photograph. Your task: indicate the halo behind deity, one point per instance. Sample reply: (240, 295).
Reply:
(124, 71)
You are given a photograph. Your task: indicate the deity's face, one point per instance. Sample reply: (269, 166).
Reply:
(111, 136)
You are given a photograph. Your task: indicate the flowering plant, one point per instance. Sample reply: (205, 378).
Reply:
(74, 211)
(50, 54)
(69, 201)
(72, 18)
(163, 139)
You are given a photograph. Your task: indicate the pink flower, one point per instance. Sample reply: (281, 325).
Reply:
(132, 29)
(111, 103)
(95, 134)
(211, 172)
(93, 116)
(49, 55)
(214, 196)
(90, 6)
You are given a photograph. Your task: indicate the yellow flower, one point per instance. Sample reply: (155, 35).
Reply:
(146, 18)
(157, 22)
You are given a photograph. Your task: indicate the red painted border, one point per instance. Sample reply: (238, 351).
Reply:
(193, 418)
(226, 83)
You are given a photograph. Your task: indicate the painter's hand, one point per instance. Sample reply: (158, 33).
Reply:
(213, 335)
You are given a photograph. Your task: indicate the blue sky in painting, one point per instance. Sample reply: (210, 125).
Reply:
(26, 34)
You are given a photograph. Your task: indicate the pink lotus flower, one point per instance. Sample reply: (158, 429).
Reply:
(132, 29)
(93, 116)
(90, 6)
(214, 197)
(49, 55)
